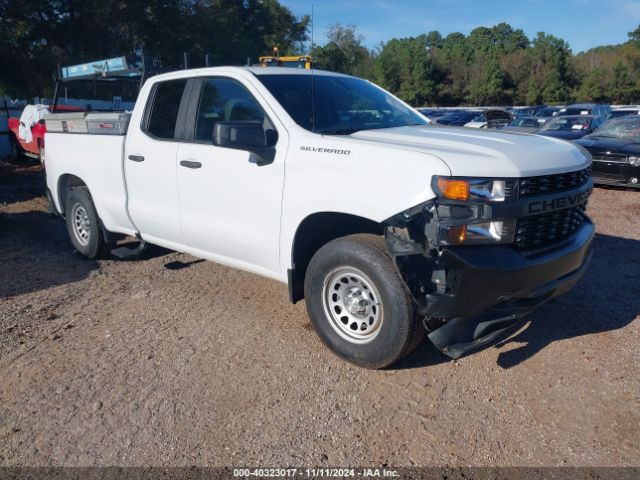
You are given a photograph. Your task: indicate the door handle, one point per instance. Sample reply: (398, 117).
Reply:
(136, 158)
(190, 164)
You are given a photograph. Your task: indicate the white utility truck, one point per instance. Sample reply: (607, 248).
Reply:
(387, 227)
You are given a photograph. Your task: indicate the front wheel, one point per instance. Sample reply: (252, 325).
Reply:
(83, 225)
(359, 304)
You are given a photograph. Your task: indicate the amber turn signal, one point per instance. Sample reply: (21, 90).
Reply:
(453, 189)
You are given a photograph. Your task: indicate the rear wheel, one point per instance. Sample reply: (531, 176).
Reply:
(83, 225)
(358, 303)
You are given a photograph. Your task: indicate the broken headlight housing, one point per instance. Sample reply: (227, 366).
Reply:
(465, 215)
(477, 233)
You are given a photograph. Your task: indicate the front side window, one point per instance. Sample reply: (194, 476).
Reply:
(338, 105)
(163, 114)
(225, 100)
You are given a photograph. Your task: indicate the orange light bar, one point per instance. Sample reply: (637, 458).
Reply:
(454, 189)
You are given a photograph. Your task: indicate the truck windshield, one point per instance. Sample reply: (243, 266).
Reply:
(340, 105)
(575, 122)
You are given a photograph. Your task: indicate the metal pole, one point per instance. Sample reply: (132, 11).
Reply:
(206, 60)
(144, 69)
(185, 59)
(56, 90)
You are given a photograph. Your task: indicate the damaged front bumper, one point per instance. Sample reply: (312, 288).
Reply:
(497, 287)
(485, 291)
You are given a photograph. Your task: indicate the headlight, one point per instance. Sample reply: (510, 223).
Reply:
(471, 222)
(484, 233)
(465, 189)
(634, 161)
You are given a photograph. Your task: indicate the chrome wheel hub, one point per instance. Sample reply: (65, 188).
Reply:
(81, 224)
(352, 304)
(356, 302)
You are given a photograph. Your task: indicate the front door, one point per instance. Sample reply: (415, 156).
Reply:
(229, 206)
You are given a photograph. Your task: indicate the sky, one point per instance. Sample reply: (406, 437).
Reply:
(582, 23)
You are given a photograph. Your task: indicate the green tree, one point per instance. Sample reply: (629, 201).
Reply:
(405, 67)
(343, 52)
(551, 68)
(635, 35)
(594, 87)
(487, 86)
(623, 88)
(434, 39)
(35, 35)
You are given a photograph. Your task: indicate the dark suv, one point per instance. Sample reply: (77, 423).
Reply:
(600, 110)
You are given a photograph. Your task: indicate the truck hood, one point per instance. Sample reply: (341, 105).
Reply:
(482, 153)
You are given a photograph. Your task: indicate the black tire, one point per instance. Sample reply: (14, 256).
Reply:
(41, 153)
(16, 150)
(398, 331)
(87, 238)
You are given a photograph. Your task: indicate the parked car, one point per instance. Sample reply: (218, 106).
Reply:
(570, 127)
(615, 148)
(490, 118)
(518, 112)
(622, 112)
(458, 118)
(547, 112)
(534, 110)
(600, 110)
(525, 125)
(382, 223)
(433, 113)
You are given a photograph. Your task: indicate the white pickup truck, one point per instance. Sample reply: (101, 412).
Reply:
(387, 227)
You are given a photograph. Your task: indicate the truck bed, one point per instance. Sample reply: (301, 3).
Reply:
(98, 160)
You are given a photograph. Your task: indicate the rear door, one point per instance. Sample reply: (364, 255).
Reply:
(150, 164)
(229, 205)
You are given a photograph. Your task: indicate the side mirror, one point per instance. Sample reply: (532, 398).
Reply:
(250, 136)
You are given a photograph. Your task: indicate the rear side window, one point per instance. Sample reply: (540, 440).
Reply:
(163, 112)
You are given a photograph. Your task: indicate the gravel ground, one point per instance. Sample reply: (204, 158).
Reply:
(172, 361)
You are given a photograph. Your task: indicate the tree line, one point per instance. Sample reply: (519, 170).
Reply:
(496, 65)
(37, 35)
(491, 65)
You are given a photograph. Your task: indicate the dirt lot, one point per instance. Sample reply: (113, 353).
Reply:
(174, 361)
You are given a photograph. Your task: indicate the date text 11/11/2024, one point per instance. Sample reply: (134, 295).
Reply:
(315, 472)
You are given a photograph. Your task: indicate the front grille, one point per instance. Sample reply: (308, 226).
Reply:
(610, 158)
(540, 231)
(546, 184)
